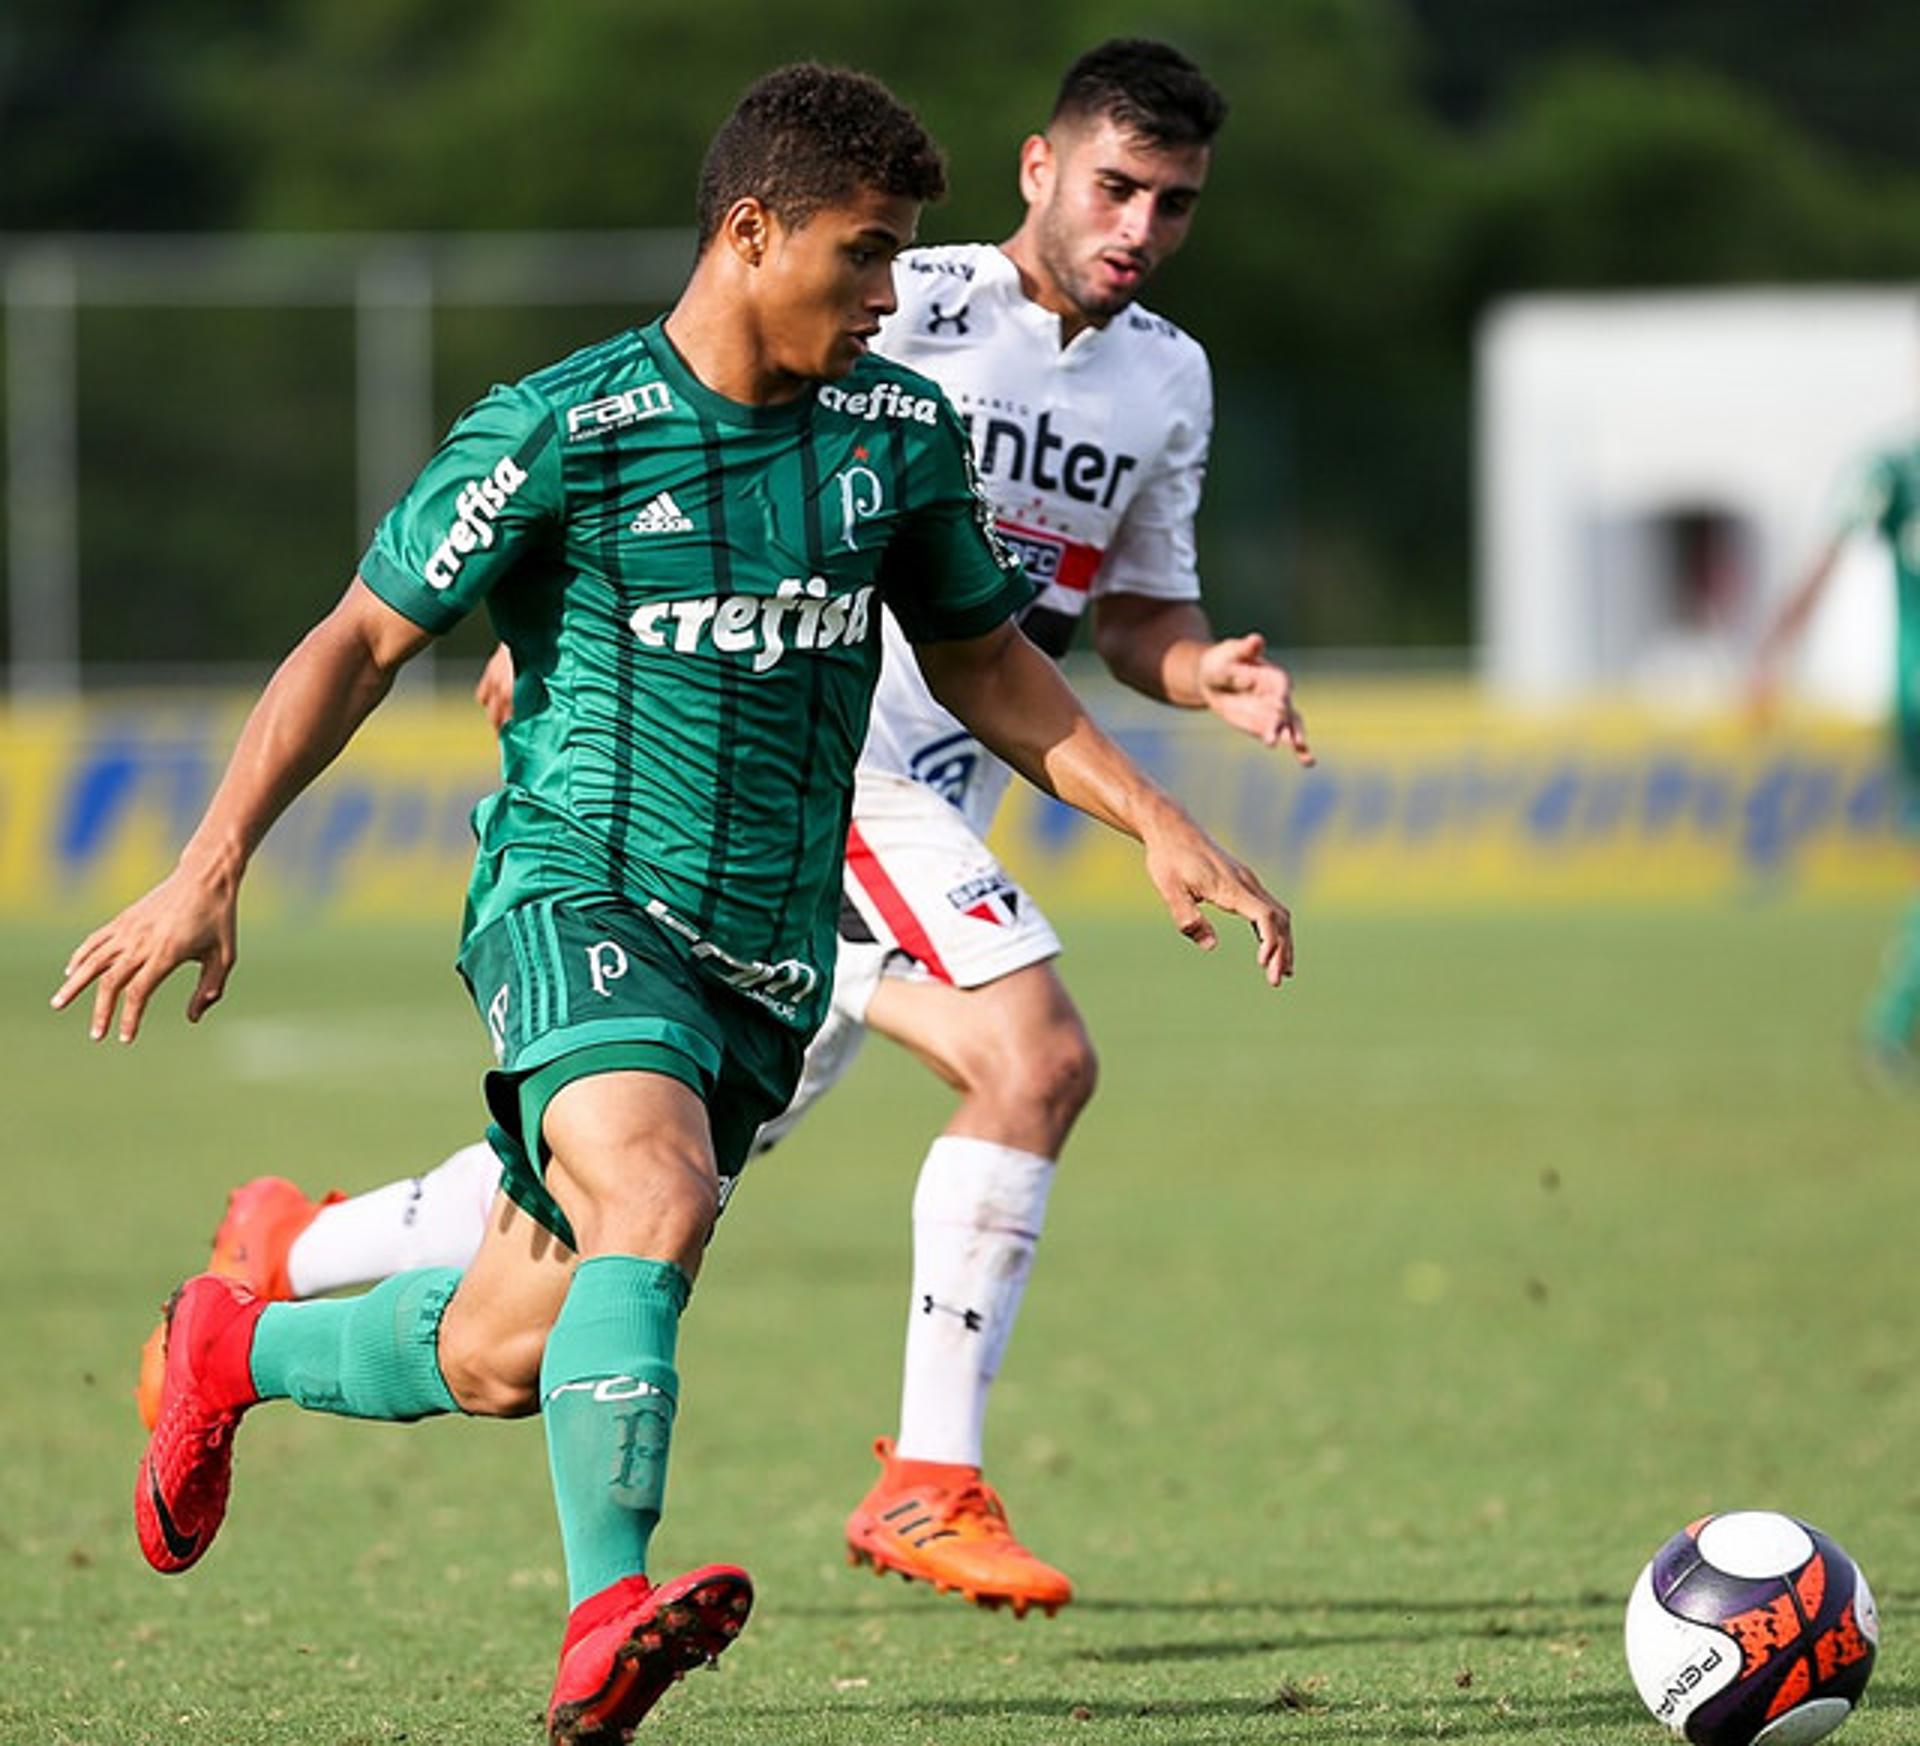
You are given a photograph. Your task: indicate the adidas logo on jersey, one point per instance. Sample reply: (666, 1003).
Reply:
(661, 515)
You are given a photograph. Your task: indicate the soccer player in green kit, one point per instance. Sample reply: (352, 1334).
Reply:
(1881, 500)
(685, 546)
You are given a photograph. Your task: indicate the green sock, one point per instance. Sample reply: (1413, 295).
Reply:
(1895, 1012)
(375, 1356)
(608, 1390)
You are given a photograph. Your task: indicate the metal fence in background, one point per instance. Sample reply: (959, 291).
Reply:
(87, 441)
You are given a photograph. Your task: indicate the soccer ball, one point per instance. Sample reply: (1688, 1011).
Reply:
(1751, 1629)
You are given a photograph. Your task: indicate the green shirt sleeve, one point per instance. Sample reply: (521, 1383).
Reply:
(947, 573)
(491, 492)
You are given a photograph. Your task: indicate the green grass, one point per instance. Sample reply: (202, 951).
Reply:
(1380, 1333)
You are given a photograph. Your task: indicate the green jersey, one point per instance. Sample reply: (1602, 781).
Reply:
(691, 591)
(1885, 500)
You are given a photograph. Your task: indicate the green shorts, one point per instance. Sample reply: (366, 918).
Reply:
(569, 990)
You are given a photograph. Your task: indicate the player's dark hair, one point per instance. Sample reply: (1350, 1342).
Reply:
(807, 136)
(1145, 88)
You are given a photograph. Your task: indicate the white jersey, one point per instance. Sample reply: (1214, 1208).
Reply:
(1091, 453)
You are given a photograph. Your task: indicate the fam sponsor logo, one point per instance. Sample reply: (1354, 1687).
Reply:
(617, 411)
(497, 1023)
(885, 399)
(475, 510)
(1036, 454)
(798, 615)
(779, 986)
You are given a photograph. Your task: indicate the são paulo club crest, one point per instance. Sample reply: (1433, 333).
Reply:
(993, 897)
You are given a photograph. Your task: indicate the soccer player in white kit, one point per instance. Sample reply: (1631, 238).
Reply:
(1090, 420)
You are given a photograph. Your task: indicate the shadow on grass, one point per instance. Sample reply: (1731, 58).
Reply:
(1590, 1601)
(1586, 1606)
(1461, 1717)
(1401, 1621)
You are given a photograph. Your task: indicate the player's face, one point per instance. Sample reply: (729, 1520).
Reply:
(1104, 209)
(828, 283)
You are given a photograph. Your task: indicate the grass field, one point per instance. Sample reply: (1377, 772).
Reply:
(1381, 1331)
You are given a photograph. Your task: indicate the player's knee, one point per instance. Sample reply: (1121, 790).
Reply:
(490, 1372)
(1068, 1069)
(1050, 1072)
(663, 1207)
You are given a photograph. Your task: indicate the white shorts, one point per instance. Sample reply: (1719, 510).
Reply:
(922, 898)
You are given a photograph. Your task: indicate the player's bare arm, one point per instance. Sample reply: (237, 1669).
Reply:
(1167, 650)
(1788, 626)
(316, 699)
(1016, 703)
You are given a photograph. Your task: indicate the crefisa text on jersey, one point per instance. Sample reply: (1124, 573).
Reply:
(798, 615)
(885, 399)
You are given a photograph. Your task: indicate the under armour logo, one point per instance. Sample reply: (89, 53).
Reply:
(938, 318)
(971, 1319)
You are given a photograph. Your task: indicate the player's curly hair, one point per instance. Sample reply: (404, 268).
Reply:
(1149, 89)
(807, 136)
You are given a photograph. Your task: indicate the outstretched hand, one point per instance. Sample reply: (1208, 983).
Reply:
(1188, 869)
(1247, 691)
(182, 920)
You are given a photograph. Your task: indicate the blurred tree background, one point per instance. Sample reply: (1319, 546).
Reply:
(1391, 167)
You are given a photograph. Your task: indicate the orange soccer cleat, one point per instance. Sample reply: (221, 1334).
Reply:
(180, 1493)
(256, 1232)
(942, 1523)
(627, 1644)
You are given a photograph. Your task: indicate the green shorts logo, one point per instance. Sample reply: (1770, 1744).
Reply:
(606, 963)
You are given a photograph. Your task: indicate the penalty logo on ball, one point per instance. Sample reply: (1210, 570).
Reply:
(1751, 1629)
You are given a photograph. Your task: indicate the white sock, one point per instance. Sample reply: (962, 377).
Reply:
(977, 1214)
(435, 1220)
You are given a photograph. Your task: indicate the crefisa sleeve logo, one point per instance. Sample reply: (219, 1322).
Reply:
(475, 510)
